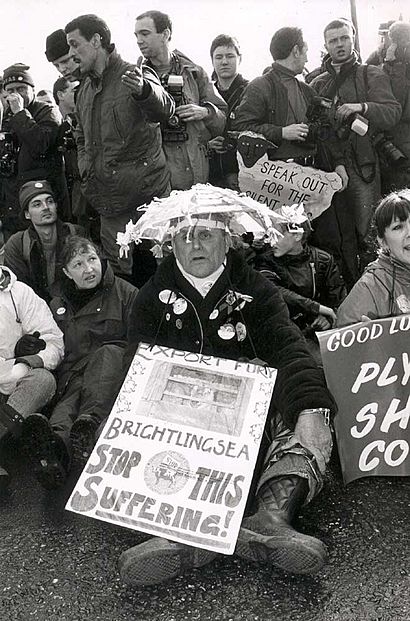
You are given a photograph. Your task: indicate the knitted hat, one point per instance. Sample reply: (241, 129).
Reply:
(17, 73)
(56, 45)
(31, 189)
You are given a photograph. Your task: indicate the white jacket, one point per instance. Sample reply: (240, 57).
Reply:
(23, 312)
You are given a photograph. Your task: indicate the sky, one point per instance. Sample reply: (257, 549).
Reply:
(195, 24)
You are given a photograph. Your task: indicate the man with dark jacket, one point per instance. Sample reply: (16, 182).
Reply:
(34, 254)
(355, 89)
(35, 126)
(119, 107)
(226, 56)
(200, 112)
(204, 298)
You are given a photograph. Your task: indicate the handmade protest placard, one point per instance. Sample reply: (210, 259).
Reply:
(177, 453)
(275, 183)
(367, 369)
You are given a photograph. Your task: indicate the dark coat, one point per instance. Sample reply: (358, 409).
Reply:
(262, 328)
(264, 109)
(120, 158)
(305, 280)
(357, 83)
(102, 320)
(24, 255)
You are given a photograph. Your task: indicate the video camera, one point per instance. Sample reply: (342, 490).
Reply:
(9, 149)
(175, 128)
(320, 117)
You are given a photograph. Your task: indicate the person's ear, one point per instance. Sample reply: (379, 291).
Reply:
(27, 215)
(67, 273)
(96, 40)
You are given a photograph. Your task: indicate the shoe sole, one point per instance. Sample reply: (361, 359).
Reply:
(82, 441)
(291, 551)
(158, 560)
(40, 444)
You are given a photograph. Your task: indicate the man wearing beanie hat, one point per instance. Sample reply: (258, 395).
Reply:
(34, 124)
(58, 53)
(33, 254)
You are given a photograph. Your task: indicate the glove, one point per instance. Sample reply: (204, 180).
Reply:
(28, 345)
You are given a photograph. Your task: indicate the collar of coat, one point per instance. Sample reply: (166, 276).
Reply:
(345, 67)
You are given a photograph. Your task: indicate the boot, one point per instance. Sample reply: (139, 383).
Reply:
(83, 437)
(267, 536)
(11, 423)
(158, 560)
(46, 450)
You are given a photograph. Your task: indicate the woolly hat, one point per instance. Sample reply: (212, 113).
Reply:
(56, 45)
(31, 189)
(17, 73)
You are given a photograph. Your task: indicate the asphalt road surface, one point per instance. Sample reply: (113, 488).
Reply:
(59, 566)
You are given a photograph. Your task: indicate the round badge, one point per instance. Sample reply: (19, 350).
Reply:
(180, 305)
(240, 331)
(167, 296)
(167, 317)
(61, 310)
(226, 332)
(214, 314)
(230, 298)
(178, 324)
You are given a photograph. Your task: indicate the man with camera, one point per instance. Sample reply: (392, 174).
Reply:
(119, 107)
(199, 113)
(396, 162)
(364, 106)
(28, 147)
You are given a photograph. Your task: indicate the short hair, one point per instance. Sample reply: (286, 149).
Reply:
(89, 25)
(161, 20)
(75, 244)
(225, 40)
(340, 22)
(394, 205)
(284, 40)
(61, 84)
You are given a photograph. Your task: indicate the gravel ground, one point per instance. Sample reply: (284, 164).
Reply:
(59, 566)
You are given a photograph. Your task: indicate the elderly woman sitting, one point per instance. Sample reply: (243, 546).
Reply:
(92, 310)
(384, 288)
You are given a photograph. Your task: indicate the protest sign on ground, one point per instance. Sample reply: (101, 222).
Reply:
(275, 183)
(367, 369)
(176, 456)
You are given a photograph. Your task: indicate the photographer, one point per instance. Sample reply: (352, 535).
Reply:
(396, 165)
(226, 56)
(199, 113)
(364, 90)
(33, 127)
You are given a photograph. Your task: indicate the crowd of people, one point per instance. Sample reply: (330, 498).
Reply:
(118, 136)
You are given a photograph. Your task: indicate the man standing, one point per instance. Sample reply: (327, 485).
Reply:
(119, 107)
(58, 53)
(33, 254)
(35, 127)
(199, 113)
(364, 90)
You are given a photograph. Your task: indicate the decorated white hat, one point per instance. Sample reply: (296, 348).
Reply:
(202, 205)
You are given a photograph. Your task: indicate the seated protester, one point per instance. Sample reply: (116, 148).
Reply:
(384, 288)
(309, 279)
(31, 345)
(226, 57)
(34, 254)
(93, 310)
(204, 298)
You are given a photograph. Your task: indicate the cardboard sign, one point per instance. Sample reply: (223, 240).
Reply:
(276, 183)
(177, 454)
(367, 368)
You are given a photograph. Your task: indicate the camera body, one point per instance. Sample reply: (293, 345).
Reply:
(9, 150)
(66, 141)
(175, 128)
(320, 118)
(388, 150)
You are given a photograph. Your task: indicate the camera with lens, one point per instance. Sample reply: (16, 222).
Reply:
(9, 149)
(230, 142)
(319, 115)
(175, 129)
(388, 150)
